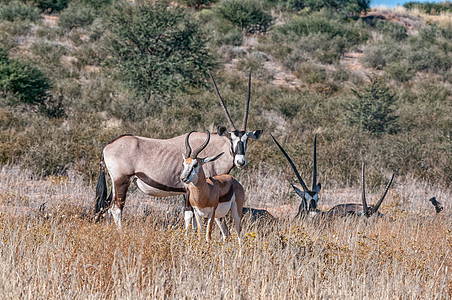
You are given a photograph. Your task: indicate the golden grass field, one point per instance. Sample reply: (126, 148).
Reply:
(61, 254)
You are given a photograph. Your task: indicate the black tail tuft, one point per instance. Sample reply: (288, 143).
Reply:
(102, 202)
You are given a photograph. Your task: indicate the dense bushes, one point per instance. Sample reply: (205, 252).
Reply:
(430, 7)
(157, 48)
(18, 11)
(245, 14)
(345, 7)
(76, 15)
(321, 35)
(23, 81)
(372, 110)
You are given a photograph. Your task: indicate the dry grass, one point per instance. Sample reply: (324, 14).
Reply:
(66, 256)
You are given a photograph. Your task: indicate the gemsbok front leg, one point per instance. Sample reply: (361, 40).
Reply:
(211, 197)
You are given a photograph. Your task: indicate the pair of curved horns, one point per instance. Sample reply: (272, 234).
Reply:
(314, 176)
(247, 104)
(368, 211)
(188, 152)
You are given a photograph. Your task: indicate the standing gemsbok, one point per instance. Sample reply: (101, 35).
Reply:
(211, 197)
(360, 209)
(151, 163)
(309, 197)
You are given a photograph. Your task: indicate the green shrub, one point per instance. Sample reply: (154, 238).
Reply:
(392, 29)
(322, 23)
(51, 5)
(400, 70)
(157, 49)
(372, 110)
(95, 4)
(50, 53)
(430, 7)
(233, 37)
(380, 53)
(344, 7)
(245, 14)
(76, 16)
(22, 79)
(197, 4)
(429, 59)
(18, 11)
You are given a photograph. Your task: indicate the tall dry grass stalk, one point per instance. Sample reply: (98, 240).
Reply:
(407, 254)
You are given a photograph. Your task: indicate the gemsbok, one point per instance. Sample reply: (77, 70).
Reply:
(151, 163)
(360, 209)
(211, 197)
(309, 197)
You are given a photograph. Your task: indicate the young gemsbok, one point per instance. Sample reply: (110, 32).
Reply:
(211, 197)
(151, 165)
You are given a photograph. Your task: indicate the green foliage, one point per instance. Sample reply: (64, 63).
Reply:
(430, 7)
(197, 4)
(378, 55)
(248, 15)
(400, 70)
(392, 29)
(76, 15)
(95, 4)
(18, 11)
(372, 110)
(319, 35)
(51, 5)
(322, 23)
(23, 80)
(157, 49)
(344, 7)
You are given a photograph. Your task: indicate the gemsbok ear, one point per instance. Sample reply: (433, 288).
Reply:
(212, 158)
(298, 191)
(221, 130)
(317, 188)
(255, 134)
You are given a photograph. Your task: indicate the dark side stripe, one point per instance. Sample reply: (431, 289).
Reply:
(143, 177)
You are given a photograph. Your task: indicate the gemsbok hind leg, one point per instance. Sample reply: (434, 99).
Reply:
(120, 190)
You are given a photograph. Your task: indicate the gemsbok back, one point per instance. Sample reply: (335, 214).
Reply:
(309, 197)
(151, 163)
(211, 197)
(360, 209)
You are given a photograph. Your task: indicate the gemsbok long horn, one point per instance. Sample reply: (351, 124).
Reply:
(314, 171)
(247, 104)
(363, 183)
(305, 188)
(231, 123)
(377, 206)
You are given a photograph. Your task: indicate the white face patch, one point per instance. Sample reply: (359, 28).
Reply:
(239, 158)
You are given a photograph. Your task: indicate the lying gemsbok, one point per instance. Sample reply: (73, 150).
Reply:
(310, 197)
(153, 165)
(360, 209)
(211, 197)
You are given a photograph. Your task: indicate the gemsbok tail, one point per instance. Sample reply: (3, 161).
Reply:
(102, 202)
